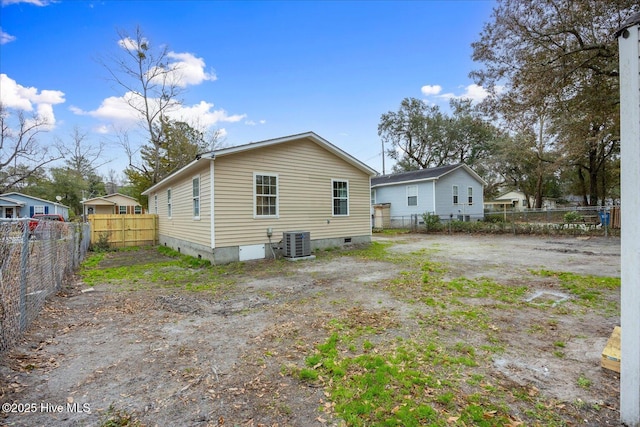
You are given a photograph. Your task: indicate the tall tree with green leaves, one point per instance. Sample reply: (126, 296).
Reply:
(421, 136)
(555, 61)
(178, 145)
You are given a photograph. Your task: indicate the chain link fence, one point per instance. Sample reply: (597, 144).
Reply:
(35, 258)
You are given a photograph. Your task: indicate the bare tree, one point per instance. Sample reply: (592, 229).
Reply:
(152, 88)
(82, 157)
(21, 155)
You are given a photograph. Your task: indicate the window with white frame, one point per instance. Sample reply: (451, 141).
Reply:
(265, 195)
(470, 195)
(155, 204)
(137, 209)
(455, 195)
(340, 197)
(122, 210)
(196, 196)
(39, 209)
(373, 197)
(169, 203)
(412, 195)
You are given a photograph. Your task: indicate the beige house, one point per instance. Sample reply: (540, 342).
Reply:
(516, 200)
(112, 204)
(234, 204)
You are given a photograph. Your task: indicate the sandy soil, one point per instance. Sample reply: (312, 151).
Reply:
(186, 358)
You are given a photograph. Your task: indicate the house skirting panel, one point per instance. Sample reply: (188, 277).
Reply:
(229, 254)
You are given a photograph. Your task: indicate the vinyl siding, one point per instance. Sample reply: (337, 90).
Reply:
(305, 171)
(182, 224)
(397, 196)
(444, 195)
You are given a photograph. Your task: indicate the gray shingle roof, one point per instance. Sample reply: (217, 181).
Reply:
(418, 175)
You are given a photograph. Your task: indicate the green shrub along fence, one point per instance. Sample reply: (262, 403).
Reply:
(575, 221)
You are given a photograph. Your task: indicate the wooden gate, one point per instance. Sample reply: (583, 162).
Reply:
(124, 230)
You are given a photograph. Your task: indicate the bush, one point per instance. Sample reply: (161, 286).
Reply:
(431, 222)
(570, 217)
(102, 243)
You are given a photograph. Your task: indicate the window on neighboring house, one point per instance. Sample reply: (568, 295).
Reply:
(155, 204)
(196, 197)
(340, 197)
(470, 195)
(373, 197)
(122, 210)
(38, 209)
(169, 203)
(455, 194)
(412, 195)
(265, 195)
(137, 210)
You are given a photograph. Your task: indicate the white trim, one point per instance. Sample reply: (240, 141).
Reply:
(434, 198)
(255, 195)
(332, 198)
(193, 198)
(415, 195)
(213, 193)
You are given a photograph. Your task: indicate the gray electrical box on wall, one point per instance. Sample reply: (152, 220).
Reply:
(296, 244)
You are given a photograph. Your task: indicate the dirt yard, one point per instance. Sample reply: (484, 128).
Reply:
(156, 355)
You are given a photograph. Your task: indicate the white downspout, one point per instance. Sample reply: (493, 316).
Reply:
(629, 50)
(212, 197)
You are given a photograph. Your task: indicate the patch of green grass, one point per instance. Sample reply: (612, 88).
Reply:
(93, 260)
(403, 383)
(118, 418)
(588, 289)
(584, 382)
(183, 272)
(374, 251)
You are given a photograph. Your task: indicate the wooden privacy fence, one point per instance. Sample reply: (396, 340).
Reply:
(124, 230)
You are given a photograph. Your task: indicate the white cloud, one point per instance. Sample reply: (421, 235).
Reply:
(14, 95)
(5, 37)
(129, 44)
(33, 2)
(189, 70)
(254, 123)
(113, 109)
(474, 92)
(202, 115)
(431, 89)
(184, 68)
(118, 111)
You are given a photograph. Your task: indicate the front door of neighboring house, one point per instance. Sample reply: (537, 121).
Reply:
(8, 212)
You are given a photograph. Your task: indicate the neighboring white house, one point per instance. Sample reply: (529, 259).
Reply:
(450, 192)
(235, 203)
(18, 205)
(516, 200)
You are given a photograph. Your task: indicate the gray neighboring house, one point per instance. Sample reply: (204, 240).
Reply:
(450, 192)
(18, 205)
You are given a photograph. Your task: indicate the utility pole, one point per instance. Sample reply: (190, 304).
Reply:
(629, 48)
(383, 172)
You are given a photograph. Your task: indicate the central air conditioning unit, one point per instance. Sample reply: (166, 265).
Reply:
(296, 244)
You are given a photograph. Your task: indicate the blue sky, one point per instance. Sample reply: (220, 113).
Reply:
(254, 70)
